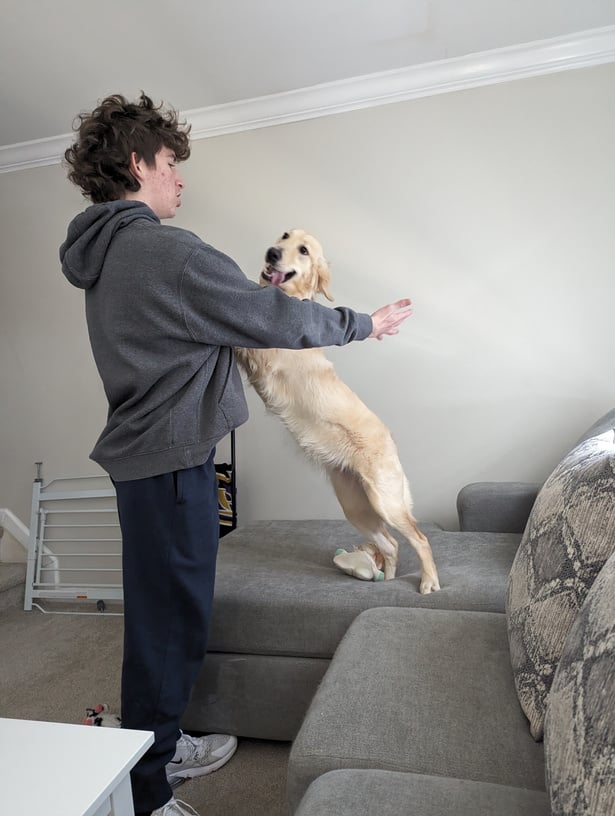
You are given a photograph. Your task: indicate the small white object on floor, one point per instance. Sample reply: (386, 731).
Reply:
(359, 564)
(101, 716)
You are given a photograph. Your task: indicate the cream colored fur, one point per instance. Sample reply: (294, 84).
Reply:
(331, 424)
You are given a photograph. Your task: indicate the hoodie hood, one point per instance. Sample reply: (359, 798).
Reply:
(89, 234)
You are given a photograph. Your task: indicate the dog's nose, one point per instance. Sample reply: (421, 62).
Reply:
(273, 255)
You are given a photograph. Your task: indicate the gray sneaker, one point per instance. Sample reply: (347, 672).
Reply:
(174, 807)
(197, 756)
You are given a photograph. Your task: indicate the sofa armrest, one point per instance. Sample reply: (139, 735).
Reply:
(496, 507)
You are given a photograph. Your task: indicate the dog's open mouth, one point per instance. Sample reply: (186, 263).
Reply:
(276, 278)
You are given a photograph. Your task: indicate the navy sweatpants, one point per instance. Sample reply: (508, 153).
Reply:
(170, 542)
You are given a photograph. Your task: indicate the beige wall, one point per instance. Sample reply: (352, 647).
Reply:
(492, 208)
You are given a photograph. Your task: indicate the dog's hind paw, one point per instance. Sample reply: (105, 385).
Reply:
(429, 585)
(359, 564)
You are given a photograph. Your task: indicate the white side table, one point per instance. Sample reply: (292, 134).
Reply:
(67, 770)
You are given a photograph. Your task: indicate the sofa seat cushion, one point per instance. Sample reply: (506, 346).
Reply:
(389, 793)
(279, 593)
(422, 691)
(569, 536)
(580, 721)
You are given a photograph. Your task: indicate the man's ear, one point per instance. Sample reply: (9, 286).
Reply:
(136, 166)
(322, 270)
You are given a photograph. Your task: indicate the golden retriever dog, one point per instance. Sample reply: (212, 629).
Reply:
(330, 423)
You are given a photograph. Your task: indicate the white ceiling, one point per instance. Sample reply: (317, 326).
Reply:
(59, 58)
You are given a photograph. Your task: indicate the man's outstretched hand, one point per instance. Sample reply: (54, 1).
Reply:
(386, 319)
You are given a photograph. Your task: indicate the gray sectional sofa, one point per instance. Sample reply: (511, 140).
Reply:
(443, 712)
(282, 607)
(399, 702)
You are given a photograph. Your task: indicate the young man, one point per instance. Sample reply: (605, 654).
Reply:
(164, 311)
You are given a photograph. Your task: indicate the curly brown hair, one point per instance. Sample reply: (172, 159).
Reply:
(107, 137)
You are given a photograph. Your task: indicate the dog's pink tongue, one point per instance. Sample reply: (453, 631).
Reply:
(277, 278)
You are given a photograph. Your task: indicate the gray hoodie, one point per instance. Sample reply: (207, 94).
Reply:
(163, 311)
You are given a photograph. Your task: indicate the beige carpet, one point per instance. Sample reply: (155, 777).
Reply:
(52, 667)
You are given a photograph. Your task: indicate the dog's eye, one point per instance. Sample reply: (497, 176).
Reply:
(285, 236)
(304, 250)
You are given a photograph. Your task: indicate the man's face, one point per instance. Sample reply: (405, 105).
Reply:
(161, 185)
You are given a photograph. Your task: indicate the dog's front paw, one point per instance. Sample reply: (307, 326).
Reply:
(429, 584)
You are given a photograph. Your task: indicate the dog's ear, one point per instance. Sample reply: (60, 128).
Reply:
(324, 279)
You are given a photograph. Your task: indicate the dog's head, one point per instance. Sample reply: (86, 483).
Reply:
(296, 265)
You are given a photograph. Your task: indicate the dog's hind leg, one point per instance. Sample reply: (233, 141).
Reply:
(360, 513)
(429, 579)
(389, 495)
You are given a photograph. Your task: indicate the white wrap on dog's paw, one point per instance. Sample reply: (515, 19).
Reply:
(359, 564)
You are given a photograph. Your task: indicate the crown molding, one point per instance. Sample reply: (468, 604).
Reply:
(579, 50)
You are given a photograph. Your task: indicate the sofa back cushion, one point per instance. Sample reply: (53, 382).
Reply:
(580, 719)
(569, 536)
